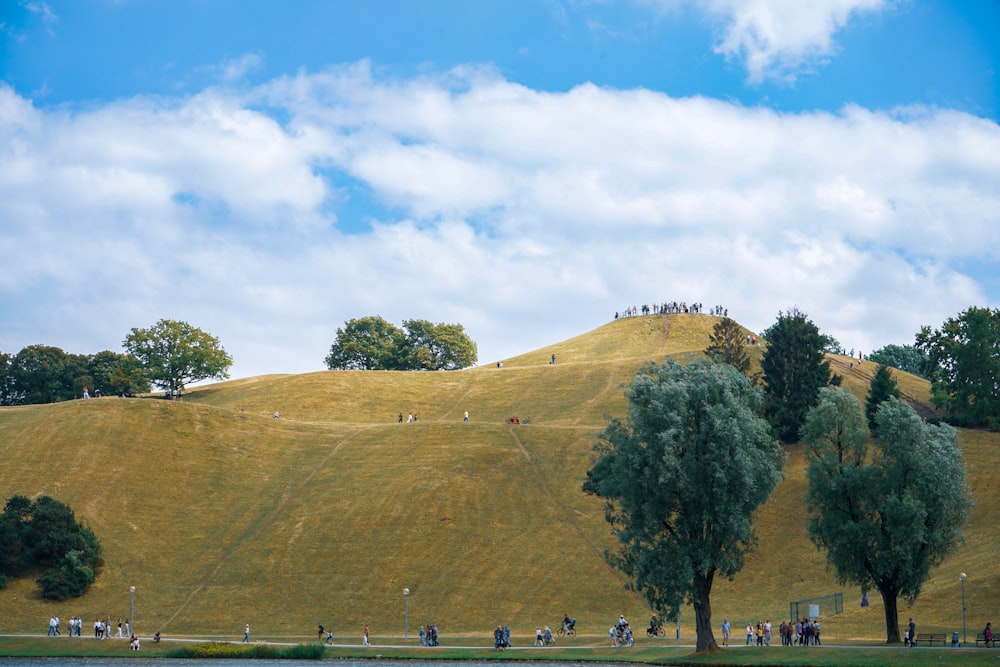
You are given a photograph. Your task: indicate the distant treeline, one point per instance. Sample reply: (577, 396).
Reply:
(46, 374)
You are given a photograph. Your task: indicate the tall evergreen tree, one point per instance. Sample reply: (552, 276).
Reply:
(727, 344)
(682, 477)
(886, 517)
(794, 371)
(883, 387)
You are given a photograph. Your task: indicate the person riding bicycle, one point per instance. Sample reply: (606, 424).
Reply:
(654, 626)
(568, 624)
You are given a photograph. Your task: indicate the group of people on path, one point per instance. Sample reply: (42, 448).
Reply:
(103, 629)
(805, 632)
(621, 633)
(501, 637)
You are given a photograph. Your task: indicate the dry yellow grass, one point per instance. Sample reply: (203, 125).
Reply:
(221, 515)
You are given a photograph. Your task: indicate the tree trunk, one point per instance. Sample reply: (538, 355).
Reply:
(889, 598)
(703, 612)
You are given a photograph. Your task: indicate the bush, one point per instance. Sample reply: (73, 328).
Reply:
(44, 536)
(226, 650)
(69, 580)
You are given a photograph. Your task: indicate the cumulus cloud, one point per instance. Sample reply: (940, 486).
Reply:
(778, 39)
(527, 216)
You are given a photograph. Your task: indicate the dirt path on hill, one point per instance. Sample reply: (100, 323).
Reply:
(567, 517)
(608, 386)
(866, 371)
(264, 520)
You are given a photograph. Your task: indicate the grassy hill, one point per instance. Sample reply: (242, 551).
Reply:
(221, 515)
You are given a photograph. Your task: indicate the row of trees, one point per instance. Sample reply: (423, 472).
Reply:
(699, 452)
(45, 374)
(685, 471)
(961, 359)
(372, 343)
(170, 354)
(43, 536)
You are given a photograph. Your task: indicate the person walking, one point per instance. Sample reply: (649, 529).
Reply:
(246, 634)
(365, 641)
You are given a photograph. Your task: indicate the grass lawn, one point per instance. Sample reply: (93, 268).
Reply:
(589, 650)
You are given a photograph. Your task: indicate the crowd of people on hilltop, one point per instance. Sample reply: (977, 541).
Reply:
(671, 308)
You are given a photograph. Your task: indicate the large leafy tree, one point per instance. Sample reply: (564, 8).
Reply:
(683, 475)
(440, 346)
(371, 343)
(46, 374)
(882, 387)
(885, 513)
(174, 354)
(7, 394)
(794, 371)
(115, 373)
(904, 357)
(727, 343)
(964, 364)
(367, 343)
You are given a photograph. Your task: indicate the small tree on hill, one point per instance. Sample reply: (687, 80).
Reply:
(727, 344)
(884, 517)
(794, 372)
(682, 477)
(883, 387)
(175, 354)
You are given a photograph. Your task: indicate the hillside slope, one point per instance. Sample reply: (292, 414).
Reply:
(221, 515)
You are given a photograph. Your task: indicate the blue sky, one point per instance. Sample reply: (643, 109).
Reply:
(267, 170)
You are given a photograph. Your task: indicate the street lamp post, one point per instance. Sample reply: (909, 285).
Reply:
(406, 614)
(131, 610)
(961, 578)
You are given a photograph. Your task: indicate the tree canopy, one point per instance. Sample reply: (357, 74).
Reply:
(174, 354)
(964, 366)
(46, 374)
(727, 344)
(44, 535)
(372, 343)
(885, 517)
(683, 475)
(794, 371)
(904, 357)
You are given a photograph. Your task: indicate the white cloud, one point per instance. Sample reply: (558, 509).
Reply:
(780, 38)
(527, 216)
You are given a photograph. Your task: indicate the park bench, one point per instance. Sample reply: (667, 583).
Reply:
(981, 640)
(931, 638)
